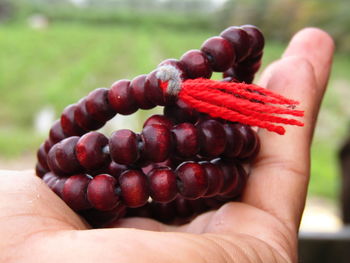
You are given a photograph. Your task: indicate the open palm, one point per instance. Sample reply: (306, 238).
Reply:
(36, 226)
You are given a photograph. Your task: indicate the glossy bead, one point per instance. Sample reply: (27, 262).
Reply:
(239, 39)
(42, 157)
(62, 157)
(215, 178)
(192, 182)
(257, 41)
(156, 142)
(186, 140)
(220, 53)
(98, 219)
(153, 91)
(143, 211)
(183, 208)
(123, 147)
(159, 119)
(198, 205)
(162, 185)
(48, 177)
(101, 192)
(251, 141)
(98, 105)
(137, 90)
(196, 64)
(116, 169)
(57, 187)
(251, 65)
(212, 138)
(121, 99)
(181, 112)
(84, 119)
(52, 161)
(234, 143)
(241, 76)
(69, 126)
(134, 188)
(163, 212)
(231, 175)
(89, 150)
(74, 192)
(176, 64)
(48, 145)
(40, 171)
(56, 133)
(241, 182)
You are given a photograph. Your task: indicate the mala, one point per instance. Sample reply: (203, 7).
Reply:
(187, 161)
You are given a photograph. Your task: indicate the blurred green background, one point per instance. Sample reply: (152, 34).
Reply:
(53, 52)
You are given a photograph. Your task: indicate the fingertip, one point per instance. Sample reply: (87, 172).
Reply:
(311, 38)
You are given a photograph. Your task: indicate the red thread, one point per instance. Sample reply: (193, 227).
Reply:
(239, 102)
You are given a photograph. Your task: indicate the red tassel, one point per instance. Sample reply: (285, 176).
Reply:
(239, 102)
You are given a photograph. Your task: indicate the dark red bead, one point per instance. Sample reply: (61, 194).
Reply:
(212, 138)
(257, 41)
(183, 208)
(74, 192)
(116, 169)
(62, 157)
(235, 141)
(89, 150)
(186, 140)
(137, 89)
(192, 182)
(56, 133)
(84, 119)
(163, 212)
(52, 181)
(121, 98)
(101, 192)
(198, 205)
(196, 64)
(123, 147)
(40, 171)
(68, 123)
(240, 41)
(213, 203)
(98, 219)
(251, 63)
(156, 143)
(52, 160)
(143, 211)
(181, 112)
(134, 188)
(57, 187)
(48, 145)
(231, 175)
(98, 105)
(42, 157)
(159, 119)
(176, 64)
(220, 53)
(241, 182)
(48, 177)
(162, 184)
(251, 143)
(153, 91)
(240, 75)
(215, 178)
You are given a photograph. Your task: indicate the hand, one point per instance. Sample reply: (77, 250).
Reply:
(36, 226)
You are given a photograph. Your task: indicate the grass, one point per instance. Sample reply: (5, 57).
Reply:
(59, 65)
